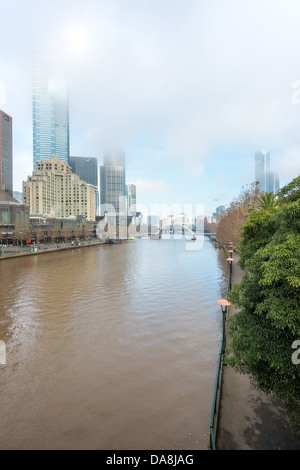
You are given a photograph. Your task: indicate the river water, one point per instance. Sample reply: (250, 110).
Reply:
(110, 347)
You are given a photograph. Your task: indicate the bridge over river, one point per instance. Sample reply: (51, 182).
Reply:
(180, 229)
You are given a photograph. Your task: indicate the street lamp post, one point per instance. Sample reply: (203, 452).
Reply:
(224, 306)
(230, 271)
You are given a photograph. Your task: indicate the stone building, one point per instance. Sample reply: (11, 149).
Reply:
(13, 216)
(55, 191)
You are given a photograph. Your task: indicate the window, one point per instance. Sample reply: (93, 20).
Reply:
(4, 216)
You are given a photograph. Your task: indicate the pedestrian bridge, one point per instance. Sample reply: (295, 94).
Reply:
(178, 229)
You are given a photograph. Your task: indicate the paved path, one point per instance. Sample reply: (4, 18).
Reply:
(250, 419)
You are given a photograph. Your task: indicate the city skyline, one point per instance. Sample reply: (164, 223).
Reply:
(172, 86)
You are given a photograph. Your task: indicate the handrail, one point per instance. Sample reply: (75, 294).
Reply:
(218, 381)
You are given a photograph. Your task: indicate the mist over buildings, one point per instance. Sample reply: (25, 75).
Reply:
(189, 90)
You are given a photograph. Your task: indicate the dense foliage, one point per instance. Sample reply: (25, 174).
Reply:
(263, 332)
(234, 217)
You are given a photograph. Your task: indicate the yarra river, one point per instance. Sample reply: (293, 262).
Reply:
(111, 347)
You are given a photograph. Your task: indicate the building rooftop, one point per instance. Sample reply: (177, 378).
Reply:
(6, 198)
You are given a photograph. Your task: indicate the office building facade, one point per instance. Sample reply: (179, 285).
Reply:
(50, 111)
(112, 183)
(55, 191)
(6, 153)
(86, 168)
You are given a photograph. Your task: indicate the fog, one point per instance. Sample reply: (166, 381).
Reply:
(189, 90)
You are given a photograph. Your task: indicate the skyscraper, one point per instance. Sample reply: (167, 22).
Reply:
(131, 199)
(262, 168)
(50, 115)
(268, 180)
(6, 163)
(87, 169)
(112, 183)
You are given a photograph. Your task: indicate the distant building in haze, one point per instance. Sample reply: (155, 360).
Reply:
(268, 181)
(18, 196)
(112, 183)
(55, 191)
(50, 112)
(6, 153)
(131, 199)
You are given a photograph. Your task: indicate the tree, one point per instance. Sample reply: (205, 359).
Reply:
(39, 234)
(234, 217)
(266, 201)
(53, 232)
(66, 233)
(262, 333)
(77, 232)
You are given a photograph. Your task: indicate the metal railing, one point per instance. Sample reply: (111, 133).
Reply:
(218, 383)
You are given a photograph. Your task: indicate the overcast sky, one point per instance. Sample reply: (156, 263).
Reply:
(189, 89)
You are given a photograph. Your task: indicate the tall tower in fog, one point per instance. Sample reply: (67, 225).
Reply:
(268, 180)
(50, 112)
(262, 168)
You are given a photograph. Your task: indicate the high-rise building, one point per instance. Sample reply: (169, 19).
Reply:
(131, 199)
(50, 110)
(55, 191)
(268, 181)
(87, 170)
(112, 183)
(6, 153)
(262, 168)
(272, 183)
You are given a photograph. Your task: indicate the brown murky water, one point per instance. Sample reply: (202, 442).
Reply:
(110, 347)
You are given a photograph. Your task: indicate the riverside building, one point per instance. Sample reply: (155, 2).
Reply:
(55, 191)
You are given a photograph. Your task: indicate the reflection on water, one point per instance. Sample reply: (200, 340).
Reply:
(110, 347)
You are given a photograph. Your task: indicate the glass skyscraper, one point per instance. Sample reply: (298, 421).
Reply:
(131, 199)
(6, 163)
(87, 169)
(268, 180)
(112, 183)
(50, 115)
(262, 169)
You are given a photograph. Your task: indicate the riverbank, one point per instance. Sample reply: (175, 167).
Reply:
(248, 418)
(51, 248)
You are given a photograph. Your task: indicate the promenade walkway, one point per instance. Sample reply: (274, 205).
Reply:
(249, 419)
(7, 252)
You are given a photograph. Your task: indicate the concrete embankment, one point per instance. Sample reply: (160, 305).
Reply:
(44, 250)
(248, 418)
